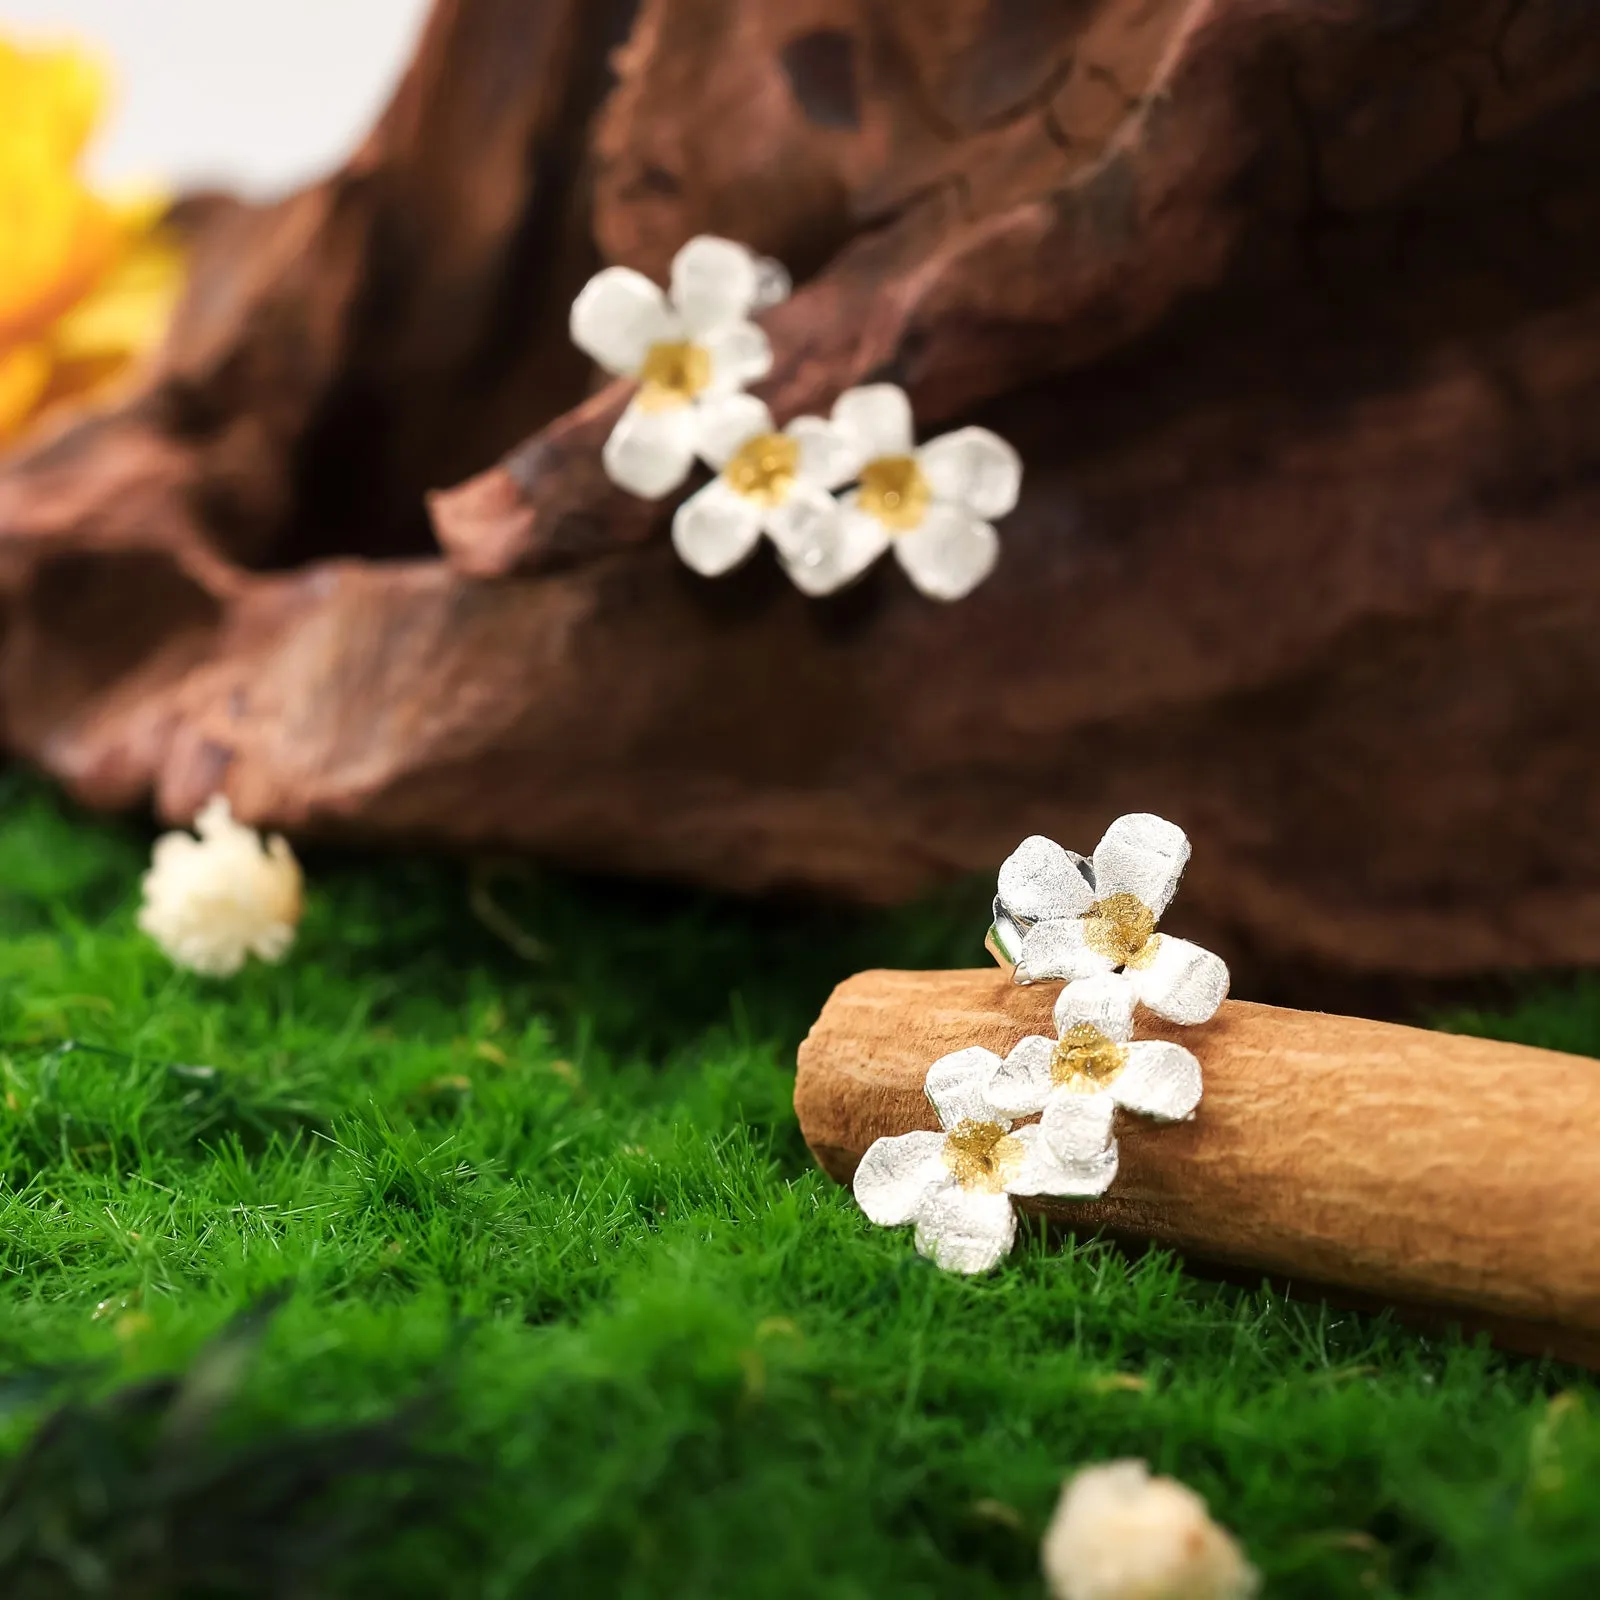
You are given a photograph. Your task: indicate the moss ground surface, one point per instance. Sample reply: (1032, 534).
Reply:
(416, 1268)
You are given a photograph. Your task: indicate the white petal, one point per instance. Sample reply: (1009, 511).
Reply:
(1022, 1083)
(827, 455)
(1044, 1172)
(895, 1173)
(617, 317)
(1055, 949)
(1143, 856)
(877, 417)
(650, 452)
(741, 354)
(1040, 880)
(808, 517)
(724, 422)
(1184, 983)
(958, 1085)
(1104, 1001)
(1160, 1080)
(949, 553)
(1077, 1127)
(715, 529)
(849, 546)
(965, 1230)
(975, 469)
(714, 281)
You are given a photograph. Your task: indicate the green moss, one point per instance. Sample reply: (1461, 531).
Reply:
(559, 1305)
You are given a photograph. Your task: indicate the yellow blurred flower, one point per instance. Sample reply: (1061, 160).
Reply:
(87, 283)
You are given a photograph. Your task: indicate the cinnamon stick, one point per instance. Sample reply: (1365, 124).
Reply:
(1457, 1177)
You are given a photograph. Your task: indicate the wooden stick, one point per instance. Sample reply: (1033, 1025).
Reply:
(1456, 1176)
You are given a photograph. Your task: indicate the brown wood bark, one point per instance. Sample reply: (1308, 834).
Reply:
(1450, 1174)
(1290, 309)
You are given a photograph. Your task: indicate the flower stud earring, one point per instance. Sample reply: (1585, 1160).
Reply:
(686, 348)
(956, 1185)
(771, 482)
(1094, 1066)
(1059, 915)
(932, 505)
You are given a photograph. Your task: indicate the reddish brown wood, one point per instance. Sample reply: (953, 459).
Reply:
(1453, 1175)
(1291, 310)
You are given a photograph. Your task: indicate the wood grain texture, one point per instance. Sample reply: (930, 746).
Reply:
(1292, 311)
(1440, 1172)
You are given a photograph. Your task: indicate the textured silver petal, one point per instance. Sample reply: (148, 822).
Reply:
(949, 553)
(1141, 855)
(974, 468)
(877, 416)
(958, 1084)
(714, 282)
(1077, 1127)
(896, 1173)
(808, 516)
(715, 529)
(1039, 880)
(618, 315)
(1104, 1001)
(1184, 983)
(649, 453)
(1045, 1173)
(1160, 1080)
(724, 422)
(1056, 949)
(965, 1230)
(838, 553)
(1022, 1083)
(740, 354)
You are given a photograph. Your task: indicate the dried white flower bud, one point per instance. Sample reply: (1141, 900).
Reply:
(1119, 1534)
(211, 902)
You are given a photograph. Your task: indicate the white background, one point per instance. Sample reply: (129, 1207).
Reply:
(256, 95)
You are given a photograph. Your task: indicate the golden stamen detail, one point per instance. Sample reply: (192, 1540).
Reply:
(672, 374)
(1086, 1060)
(764, 469)
(894, 490)
(1123, 929)
(982, 1155)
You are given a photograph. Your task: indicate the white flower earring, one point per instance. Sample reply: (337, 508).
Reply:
(1059, 915)
(1094, 1066)
(687, 348)
(932, 505)
(956, 1186)
(777, 483)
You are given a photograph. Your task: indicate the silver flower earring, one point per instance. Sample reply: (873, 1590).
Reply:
(1090, 921)
(694, 350)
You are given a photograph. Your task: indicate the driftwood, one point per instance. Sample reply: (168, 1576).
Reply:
(1291, 310)
(1459, 1177)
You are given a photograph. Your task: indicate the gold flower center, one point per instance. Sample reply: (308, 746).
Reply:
(895, 491)
(1086, 1060)
(982, 1155)
(673, 373)
(764, 468)
(1122, 928)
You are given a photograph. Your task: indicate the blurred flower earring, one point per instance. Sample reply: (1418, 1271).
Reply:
(933, 505)
(776, 483)
(687, 348)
